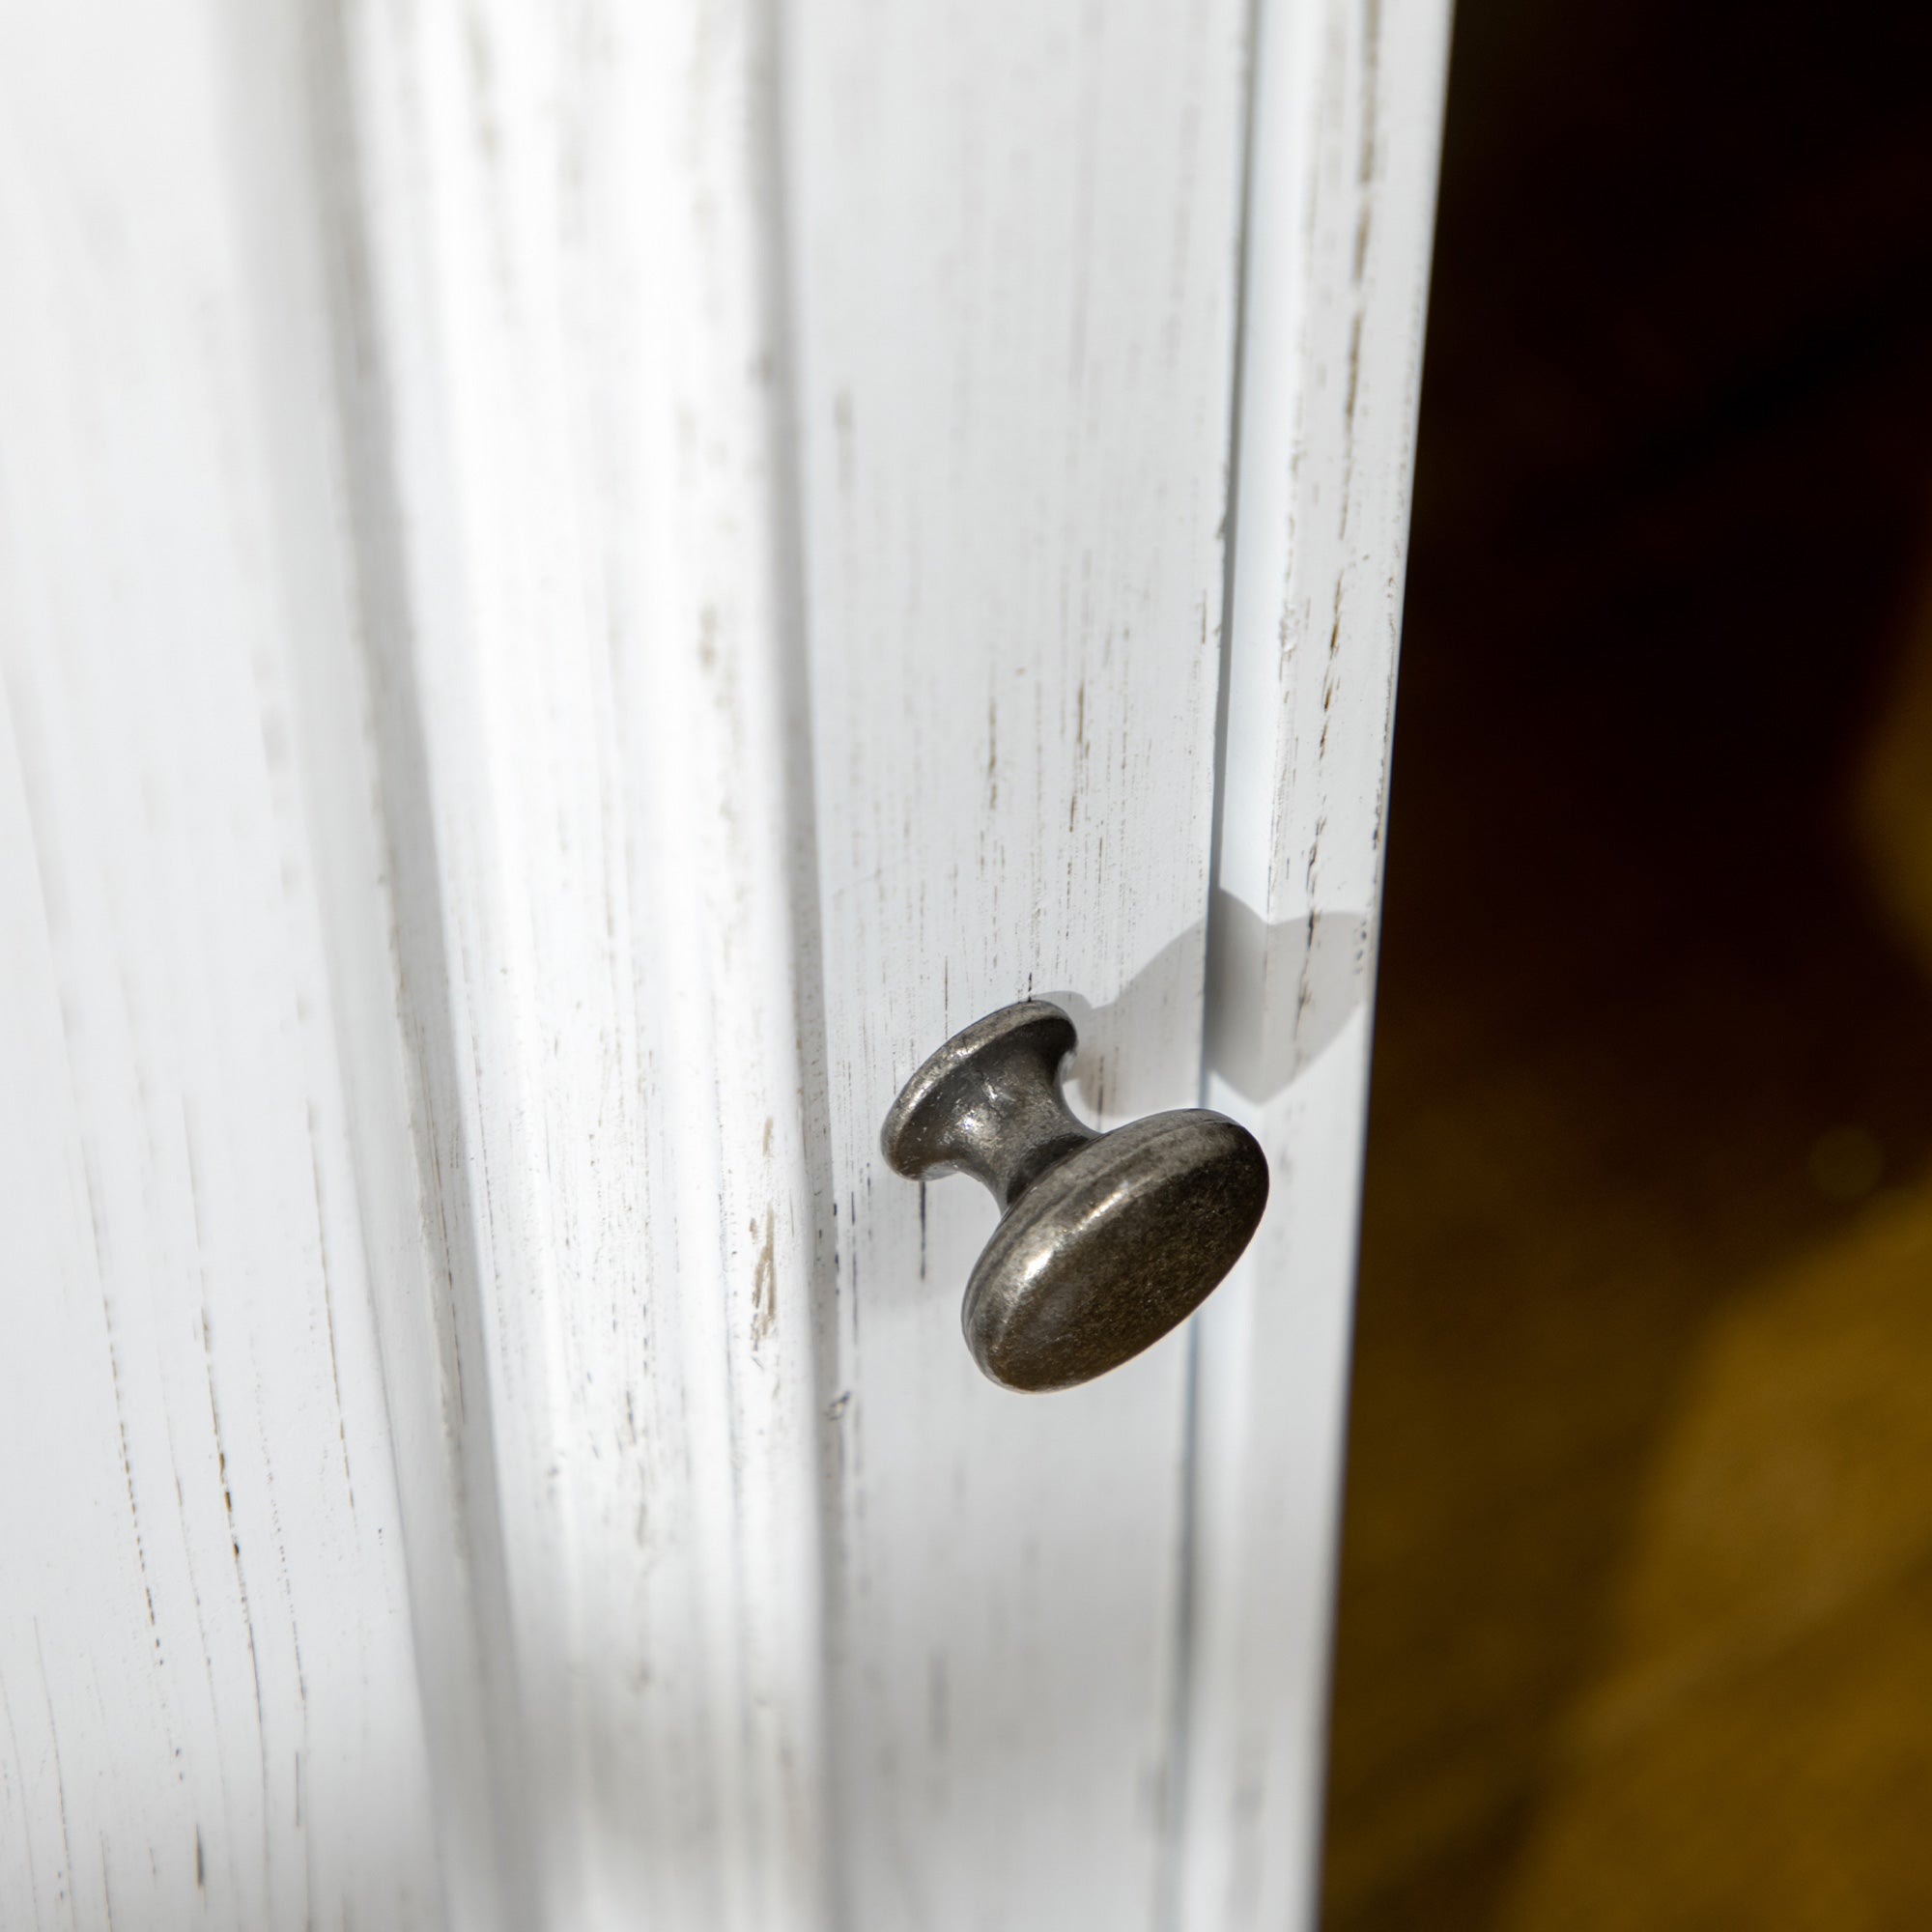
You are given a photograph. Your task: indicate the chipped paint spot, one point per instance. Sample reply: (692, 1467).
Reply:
(764, 1282)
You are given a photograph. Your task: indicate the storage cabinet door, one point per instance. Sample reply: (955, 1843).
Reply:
(583, 585)
(1016, 246)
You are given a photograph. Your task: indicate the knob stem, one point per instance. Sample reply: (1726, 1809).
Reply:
(989, 1104)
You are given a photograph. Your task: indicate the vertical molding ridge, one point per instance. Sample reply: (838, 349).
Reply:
(416, 1163)
(562, 276)
(806, 926)
(1186, 1662)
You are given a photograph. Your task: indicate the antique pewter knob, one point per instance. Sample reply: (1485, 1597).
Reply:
(1105, 1241)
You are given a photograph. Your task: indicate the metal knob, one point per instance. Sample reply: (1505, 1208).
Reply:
(1106, 1242)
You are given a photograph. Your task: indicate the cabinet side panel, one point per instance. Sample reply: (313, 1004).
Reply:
(1347, 131)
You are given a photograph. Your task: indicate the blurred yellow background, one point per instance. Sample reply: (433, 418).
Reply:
(1635, 1621)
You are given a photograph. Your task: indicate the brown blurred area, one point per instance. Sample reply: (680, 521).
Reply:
(1635, 1618)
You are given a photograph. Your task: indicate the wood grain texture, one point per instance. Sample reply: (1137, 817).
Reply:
(570, 422)
(1015, 244)
(209, 1709)
(582, 587)
(1347, 132)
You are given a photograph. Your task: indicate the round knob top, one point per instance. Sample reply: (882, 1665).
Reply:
(1106, 1240)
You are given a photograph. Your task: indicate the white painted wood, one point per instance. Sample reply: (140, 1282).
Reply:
(1348, 107)
(577, 1162)
(569, 425)
(1015, 245)
(579, 587)
(209, 1709)
(1012, 410)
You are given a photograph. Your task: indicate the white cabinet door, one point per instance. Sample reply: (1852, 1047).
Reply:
(579, 585)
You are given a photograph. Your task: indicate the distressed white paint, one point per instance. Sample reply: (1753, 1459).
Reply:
(581, 586)
(1015, 245)
(572, 257)
(208, 1707)
(1347, 128)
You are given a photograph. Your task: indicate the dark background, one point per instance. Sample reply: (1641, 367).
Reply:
(1635, 1619)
